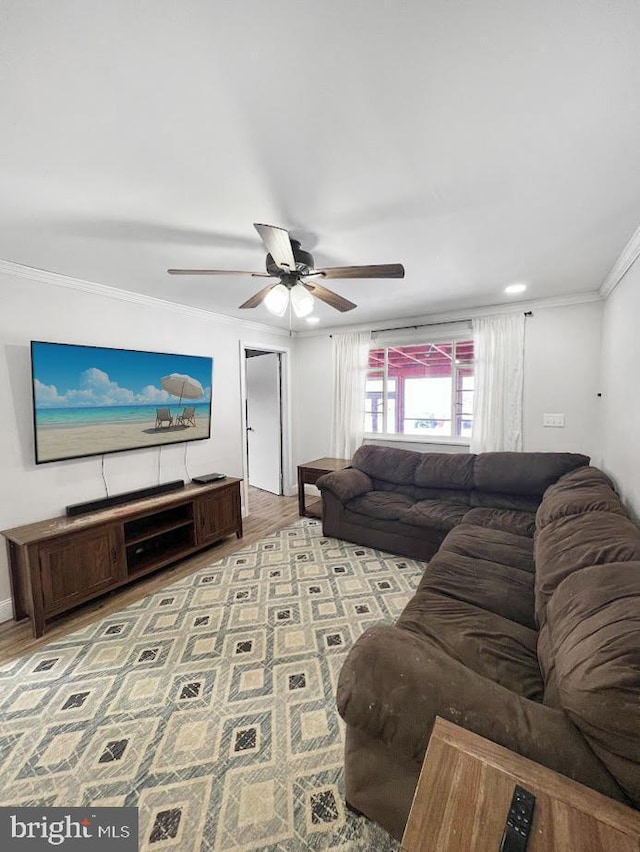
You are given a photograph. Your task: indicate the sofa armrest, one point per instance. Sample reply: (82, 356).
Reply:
(345, 484)
(394, 683)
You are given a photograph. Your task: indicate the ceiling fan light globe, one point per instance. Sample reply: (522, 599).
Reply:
(276, 300)
(301, 300)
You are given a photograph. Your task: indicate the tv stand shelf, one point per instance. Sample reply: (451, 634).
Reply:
(57, 564)
(161, 530)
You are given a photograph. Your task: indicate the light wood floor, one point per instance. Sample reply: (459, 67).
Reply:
(267, 513)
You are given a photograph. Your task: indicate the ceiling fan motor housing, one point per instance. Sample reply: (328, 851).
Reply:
(303, 259)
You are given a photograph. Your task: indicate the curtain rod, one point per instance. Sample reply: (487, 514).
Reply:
(429, 324)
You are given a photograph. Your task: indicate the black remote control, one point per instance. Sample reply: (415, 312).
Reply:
(516, 831)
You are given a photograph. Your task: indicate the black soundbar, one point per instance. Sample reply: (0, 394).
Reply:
(118, 499)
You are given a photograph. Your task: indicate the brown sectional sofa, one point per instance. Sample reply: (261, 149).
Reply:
(407, 502)
(525, 627)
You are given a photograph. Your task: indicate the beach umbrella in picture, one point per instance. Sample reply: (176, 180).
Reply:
(182, 386)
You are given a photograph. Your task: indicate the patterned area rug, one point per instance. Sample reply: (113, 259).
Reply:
(209, 705)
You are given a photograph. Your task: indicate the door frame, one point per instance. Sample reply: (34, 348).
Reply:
(285, 420)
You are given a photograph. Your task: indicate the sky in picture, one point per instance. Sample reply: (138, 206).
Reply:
(66, 376)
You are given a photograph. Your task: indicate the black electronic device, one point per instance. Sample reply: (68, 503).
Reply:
(518, 827)
(126, 497)
(208, 477)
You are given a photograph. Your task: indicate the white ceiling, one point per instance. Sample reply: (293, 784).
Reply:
(479, 143)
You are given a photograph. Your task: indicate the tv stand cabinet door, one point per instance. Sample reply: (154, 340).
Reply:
(76, 567)
(218, 514)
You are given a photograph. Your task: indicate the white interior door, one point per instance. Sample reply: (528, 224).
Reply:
(264, 422)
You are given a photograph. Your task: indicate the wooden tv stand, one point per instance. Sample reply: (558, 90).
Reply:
(57, 564)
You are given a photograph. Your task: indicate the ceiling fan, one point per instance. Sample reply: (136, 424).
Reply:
(292, 266)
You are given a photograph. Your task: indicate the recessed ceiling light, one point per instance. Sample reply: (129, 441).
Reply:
(515, 288)
(313, 320)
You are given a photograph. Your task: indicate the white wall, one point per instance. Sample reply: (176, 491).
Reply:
(312, 398)
(561, 376)
(32, 310)
(621, 389)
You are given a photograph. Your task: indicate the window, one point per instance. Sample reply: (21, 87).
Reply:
(424, 389)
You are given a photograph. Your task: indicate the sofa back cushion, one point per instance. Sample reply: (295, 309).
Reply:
(586, 489)
(513, 481)
(386, 463)
(445, 470)
(524, 474)
(575, 542)
(592, 640)
(426, 472)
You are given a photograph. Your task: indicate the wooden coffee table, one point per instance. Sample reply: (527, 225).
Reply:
(464, 792)
(311, 471)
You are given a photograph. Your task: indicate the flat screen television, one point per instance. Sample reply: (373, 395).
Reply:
(90, 400)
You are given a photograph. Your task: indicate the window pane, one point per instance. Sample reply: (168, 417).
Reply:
(427, 406)
(392, 408)
(376, 359)
(464, 402)
(423, 374)
(464, 351)
(425, 384)
(373, 403)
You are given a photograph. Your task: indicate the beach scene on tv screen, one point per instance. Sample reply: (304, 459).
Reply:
(91, 400)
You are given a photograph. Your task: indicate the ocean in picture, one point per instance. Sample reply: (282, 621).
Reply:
(60, 418)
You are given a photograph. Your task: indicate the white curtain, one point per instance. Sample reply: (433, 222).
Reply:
(499, 380)
(350, 359)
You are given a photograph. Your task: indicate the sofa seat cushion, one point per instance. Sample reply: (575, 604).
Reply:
(500, 589)
(448, 495)
(495, 545)
(492, 646)
(594, 638)
(496, 500)
(386, 505)
(575, 542)
(509, 520)
(436, 514)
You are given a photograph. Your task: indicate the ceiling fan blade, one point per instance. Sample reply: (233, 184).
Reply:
(381, 270)
(278, 244)
(331, 298)
(218, 272)
(258, 297)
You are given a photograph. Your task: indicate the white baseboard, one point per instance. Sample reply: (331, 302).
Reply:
(6, 610)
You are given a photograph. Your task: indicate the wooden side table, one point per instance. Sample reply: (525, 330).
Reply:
(465, 789)
(309, 473)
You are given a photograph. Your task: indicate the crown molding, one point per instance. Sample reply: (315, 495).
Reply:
(462, 314)
(623, 264)
(45, 276)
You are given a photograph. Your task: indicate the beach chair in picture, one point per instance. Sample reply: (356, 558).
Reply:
(188, 416)
(163, 415)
